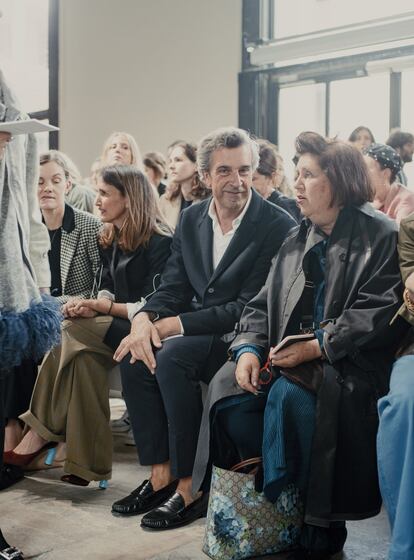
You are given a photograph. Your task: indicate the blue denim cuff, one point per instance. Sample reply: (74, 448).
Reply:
(319, 335)
(253, 349)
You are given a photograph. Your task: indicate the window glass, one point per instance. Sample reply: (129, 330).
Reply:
(43, 139)
(24, 51)
(300, 108)
(297, 17)
(407, 115)
(360, 102)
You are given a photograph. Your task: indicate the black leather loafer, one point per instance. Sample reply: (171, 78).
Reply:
(143, 499)
(174, 513)
(11, 553)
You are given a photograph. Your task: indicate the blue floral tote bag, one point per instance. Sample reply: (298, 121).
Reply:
(242, 523)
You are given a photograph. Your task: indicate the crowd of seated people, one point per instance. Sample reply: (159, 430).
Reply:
(204, 255)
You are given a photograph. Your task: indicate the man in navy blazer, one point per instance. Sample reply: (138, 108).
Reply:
(221, 254)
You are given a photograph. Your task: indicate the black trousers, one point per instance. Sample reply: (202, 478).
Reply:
(165, 409)
(18, 389)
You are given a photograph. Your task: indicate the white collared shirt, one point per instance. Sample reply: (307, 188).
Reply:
(222, 240)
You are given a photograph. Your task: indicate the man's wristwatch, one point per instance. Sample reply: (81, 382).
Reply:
(152, 316)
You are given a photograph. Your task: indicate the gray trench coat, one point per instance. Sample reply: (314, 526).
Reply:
(362, 293)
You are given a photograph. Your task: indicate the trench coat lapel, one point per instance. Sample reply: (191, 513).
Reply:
(310, 236)
(341, 238)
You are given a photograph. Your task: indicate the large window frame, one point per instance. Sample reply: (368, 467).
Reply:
(51, 113)
(260, 83)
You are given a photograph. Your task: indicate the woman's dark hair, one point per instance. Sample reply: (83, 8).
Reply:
(198, 190)
(144, 216)
(386, 157)
(156, 162)
(398, 139)
(343, 165)
(354, 134)
(267, 158)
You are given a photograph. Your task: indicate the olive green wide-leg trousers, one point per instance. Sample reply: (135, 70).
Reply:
(70, 401)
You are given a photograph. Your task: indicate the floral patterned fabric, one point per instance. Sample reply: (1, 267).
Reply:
(242, 523)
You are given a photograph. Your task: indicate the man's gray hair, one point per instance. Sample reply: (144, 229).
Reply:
(228, 137)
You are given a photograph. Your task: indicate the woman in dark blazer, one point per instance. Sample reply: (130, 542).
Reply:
(73, 260)
(70, 401)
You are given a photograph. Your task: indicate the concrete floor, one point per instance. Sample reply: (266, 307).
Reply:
(51, 520)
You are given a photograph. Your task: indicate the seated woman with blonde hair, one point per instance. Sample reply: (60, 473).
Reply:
(185, 186)
(70, 400)
(121, 148)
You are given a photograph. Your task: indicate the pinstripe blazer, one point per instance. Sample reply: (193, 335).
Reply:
(79, 254)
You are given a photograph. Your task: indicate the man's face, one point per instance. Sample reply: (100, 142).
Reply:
(407, 151)
(230, 178)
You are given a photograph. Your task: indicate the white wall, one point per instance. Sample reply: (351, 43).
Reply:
(159, 69)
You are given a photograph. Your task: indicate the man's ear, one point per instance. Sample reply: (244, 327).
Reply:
(207, 179)
(387, 173)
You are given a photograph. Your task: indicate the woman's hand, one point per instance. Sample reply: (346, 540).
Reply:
(68, 307)
(85, 313)
(296, 354)
(247, 372)
(86, 308)
(101, 305)
(140, 342)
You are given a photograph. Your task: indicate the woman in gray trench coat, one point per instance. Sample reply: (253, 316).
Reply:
(29, 323)
(337, 274)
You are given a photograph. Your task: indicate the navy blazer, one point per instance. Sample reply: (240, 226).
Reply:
(211, 301)
(132, 276)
